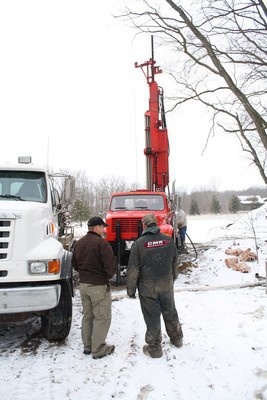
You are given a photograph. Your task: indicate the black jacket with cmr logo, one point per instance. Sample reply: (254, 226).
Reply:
(152, 263)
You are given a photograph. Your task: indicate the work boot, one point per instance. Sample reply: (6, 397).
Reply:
(178, 342)
(107, 351)
(183, 249)
(177, 338)
(154, 352)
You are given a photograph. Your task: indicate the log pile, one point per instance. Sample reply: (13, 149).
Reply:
(240, 258)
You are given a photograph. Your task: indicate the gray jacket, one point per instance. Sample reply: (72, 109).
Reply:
(181, 219)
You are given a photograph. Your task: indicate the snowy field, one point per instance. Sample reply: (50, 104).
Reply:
(224, 356)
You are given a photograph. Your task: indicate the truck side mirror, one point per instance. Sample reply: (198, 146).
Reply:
(55, 198)
(69, 189)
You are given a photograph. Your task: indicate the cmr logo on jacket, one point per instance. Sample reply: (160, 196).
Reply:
(155, 243)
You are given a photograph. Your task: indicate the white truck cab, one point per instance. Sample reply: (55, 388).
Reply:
(35, 269)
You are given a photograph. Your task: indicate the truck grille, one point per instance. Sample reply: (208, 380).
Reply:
(128, 225)
(5, 238)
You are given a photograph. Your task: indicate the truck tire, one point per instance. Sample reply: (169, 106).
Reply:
(56, 323)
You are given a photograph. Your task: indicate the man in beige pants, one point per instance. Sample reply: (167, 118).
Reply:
(94, 259)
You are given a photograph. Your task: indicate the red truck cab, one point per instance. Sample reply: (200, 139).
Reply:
(124, 218)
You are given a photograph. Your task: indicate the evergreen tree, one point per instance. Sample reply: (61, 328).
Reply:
(194, 208)
(80, 210)
(234, 204)
(215, 207)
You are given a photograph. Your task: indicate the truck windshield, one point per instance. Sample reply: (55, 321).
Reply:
(23, 186)
(137, 202)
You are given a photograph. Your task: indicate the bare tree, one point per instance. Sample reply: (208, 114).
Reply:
(220, 53)
(105, 187)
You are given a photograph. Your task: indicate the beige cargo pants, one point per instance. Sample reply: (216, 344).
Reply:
(96, 302)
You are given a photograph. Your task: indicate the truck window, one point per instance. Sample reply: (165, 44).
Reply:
(23, 185)
(137, 202)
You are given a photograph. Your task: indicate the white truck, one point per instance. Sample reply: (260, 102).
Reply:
(35, 267)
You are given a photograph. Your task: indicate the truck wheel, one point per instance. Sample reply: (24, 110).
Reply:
(56, 323)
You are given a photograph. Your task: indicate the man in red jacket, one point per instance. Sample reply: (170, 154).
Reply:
(94, 259)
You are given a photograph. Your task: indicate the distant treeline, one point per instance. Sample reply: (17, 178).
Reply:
(92, 198)
(210, 201)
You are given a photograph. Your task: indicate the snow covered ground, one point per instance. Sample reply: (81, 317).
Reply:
(225, 344)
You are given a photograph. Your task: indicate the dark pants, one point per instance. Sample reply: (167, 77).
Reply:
(156, 300)
(182, 232)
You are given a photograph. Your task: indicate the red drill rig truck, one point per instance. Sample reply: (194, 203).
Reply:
(127, 209)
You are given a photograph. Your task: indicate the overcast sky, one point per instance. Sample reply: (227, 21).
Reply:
(71, 98)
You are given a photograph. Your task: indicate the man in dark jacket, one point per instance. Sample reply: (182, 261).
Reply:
(94, 259)
(152, 268)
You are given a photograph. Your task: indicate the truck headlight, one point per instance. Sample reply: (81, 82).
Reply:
(45, 267)
(38, 267)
